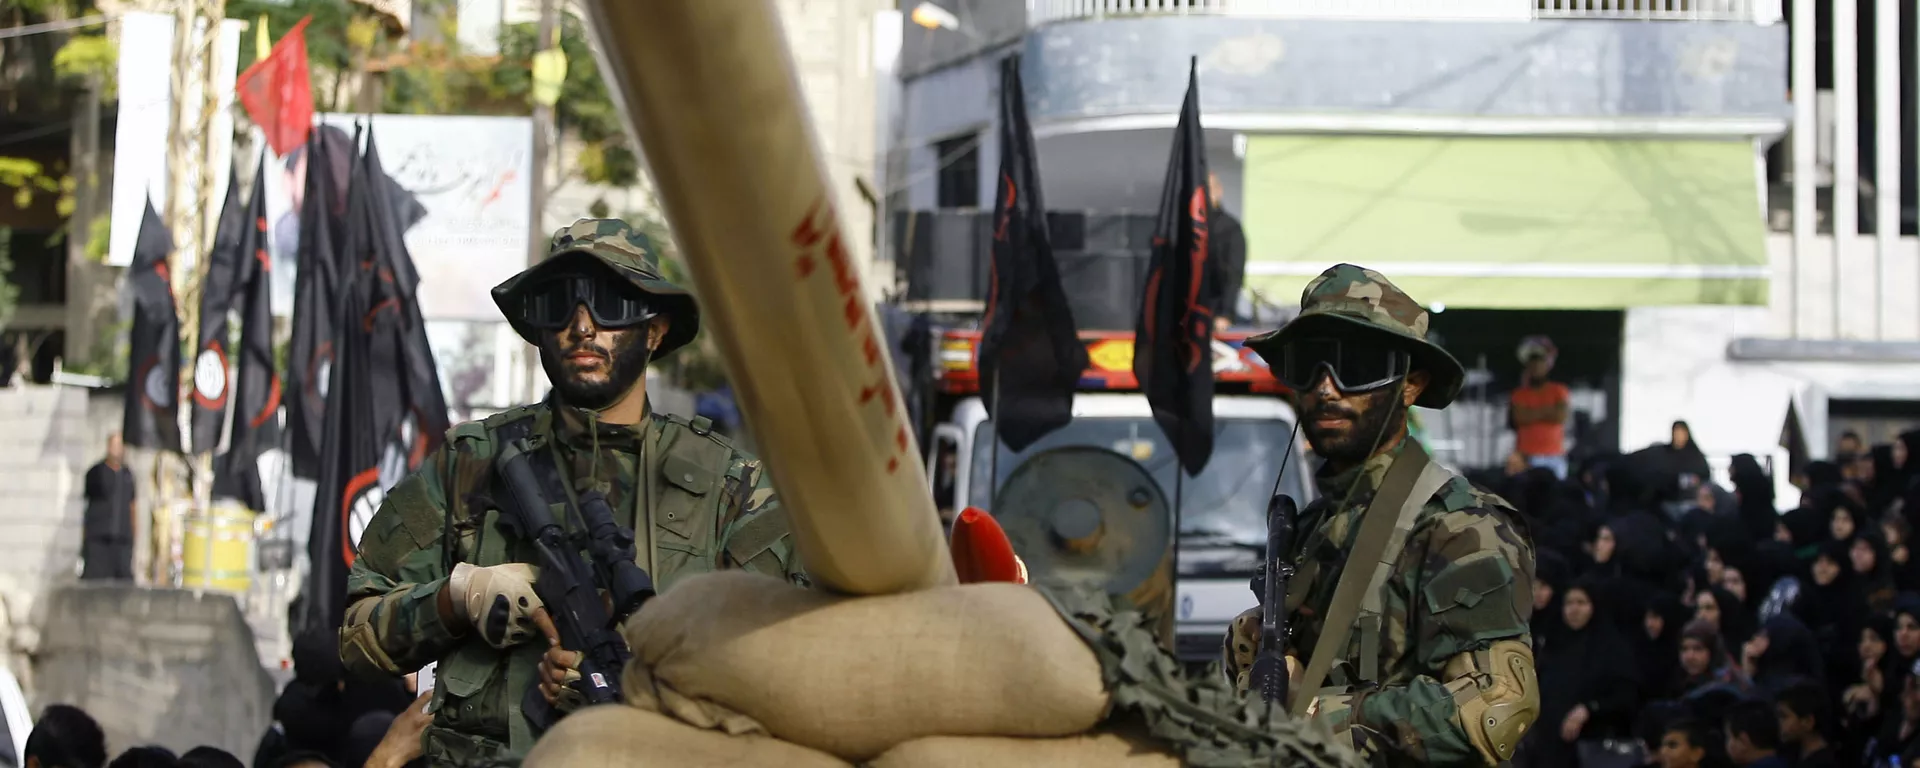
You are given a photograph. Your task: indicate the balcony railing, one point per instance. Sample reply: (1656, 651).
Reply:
(1751, 11)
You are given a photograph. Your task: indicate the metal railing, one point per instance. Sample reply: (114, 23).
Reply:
(1753, 11)
(1756, 11)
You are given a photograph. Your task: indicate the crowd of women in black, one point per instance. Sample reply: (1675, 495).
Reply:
(1666, 606)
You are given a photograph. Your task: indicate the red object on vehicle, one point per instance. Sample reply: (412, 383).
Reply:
(981, 551)
(1109, 363)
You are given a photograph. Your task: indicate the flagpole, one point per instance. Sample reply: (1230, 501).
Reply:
(1179, 496)
(993, 462)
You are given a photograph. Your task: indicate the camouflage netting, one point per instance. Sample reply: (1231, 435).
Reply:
(1202, 720)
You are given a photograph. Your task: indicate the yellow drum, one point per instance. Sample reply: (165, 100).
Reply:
(217, 550)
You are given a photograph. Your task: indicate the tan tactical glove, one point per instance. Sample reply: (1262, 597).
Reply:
(1243, 642)
(497, 600)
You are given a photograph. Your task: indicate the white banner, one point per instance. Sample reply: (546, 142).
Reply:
(471, 174)
(140, 134)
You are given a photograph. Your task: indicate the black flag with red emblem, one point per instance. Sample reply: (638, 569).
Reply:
(152, 418)
(372, 434)
(256, 394)
(1031, 357)
(316, 293)
(391, 211)
(217, 287)
(1173, 343)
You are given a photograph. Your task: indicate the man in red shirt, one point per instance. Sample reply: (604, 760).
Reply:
(1540, 408)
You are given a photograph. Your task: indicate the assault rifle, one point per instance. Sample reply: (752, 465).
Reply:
(568, 585)
(1269, 673)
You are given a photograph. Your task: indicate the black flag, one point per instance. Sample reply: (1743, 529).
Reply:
(366, 402)
(316, 300)
(152, 418)
(349, 489)
(210, 386)
(392, 210)
(256, 417)
(1031, 357)
(375, 424)
(1173, 344)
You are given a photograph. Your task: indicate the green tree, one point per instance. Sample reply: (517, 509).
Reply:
(9, 293)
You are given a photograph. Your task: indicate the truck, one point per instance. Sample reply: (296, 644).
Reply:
(1092, 501)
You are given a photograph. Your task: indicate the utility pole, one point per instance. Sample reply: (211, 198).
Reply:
(546, 38)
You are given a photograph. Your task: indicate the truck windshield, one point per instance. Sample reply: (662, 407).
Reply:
(1225, 504)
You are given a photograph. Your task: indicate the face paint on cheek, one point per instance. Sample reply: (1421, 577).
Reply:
(1372, 417)
(628, 354)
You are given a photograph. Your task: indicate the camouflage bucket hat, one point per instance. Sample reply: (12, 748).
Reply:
(628, 254)
(1357, 297)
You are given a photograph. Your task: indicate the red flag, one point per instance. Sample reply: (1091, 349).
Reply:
(277, 93)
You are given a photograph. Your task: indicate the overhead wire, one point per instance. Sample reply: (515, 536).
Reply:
(53, 26)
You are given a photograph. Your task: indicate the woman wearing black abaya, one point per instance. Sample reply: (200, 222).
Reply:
(1902, 652)
(1551, 577)
(1884, 488)
(1580, 672)
(1753, 496)
(1685, 460)
(1727, 613)
(1833, 604)
(1656, 647)
(1781, 653)
(1873, 568)
(1704, 663)
(1860, 713)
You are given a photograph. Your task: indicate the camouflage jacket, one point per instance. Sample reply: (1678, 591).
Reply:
(1462, 583)
(699, 505)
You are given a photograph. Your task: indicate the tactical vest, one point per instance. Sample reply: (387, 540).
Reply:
(689, 497)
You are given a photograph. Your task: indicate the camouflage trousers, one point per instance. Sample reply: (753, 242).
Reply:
(446, 748)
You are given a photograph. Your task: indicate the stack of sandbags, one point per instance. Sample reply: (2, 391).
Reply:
(750, 670)
(854, 677)
(1096, 750)
(626, 737)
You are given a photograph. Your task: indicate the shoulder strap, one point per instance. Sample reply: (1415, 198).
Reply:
(1372, 611)
(1369, 548)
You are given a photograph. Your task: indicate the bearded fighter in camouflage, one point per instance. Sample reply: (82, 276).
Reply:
(1440, 670)
(438, 579)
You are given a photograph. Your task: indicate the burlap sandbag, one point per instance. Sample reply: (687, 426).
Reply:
(748, 653)
(623, 737)
(1102, 750)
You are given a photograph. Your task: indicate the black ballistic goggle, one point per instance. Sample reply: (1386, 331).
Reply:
(548, 305)
(1354, 366)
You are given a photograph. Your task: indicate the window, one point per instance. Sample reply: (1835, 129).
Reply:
(39, 266)
(959, 175)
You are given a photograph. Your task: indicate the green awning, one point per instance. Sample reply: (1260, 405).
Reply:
(1510, 223)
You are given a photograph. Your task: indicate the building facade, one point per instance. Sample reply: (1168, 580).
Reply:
(1622, 175)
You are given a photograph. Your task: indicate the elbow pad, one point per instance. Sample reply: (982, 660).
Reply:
(1497, 695)
(360, 649)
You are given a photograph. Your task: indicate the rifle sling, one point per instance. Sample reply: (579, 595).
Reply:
(1377, 525)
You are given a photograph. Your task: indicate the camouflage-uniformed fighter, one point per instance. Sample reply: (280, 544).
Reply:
(437, 578)
(1439, 670)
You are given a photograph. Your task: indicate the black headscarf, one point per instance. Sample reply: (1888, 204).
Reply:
(1896, 667)
(1790, 654)
(1736, 619)
(1754, 492)
(1888, 482)
(1658, 657)
(1686, 460)
(1551, 569)
(1584, 667)
(1823, 474)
